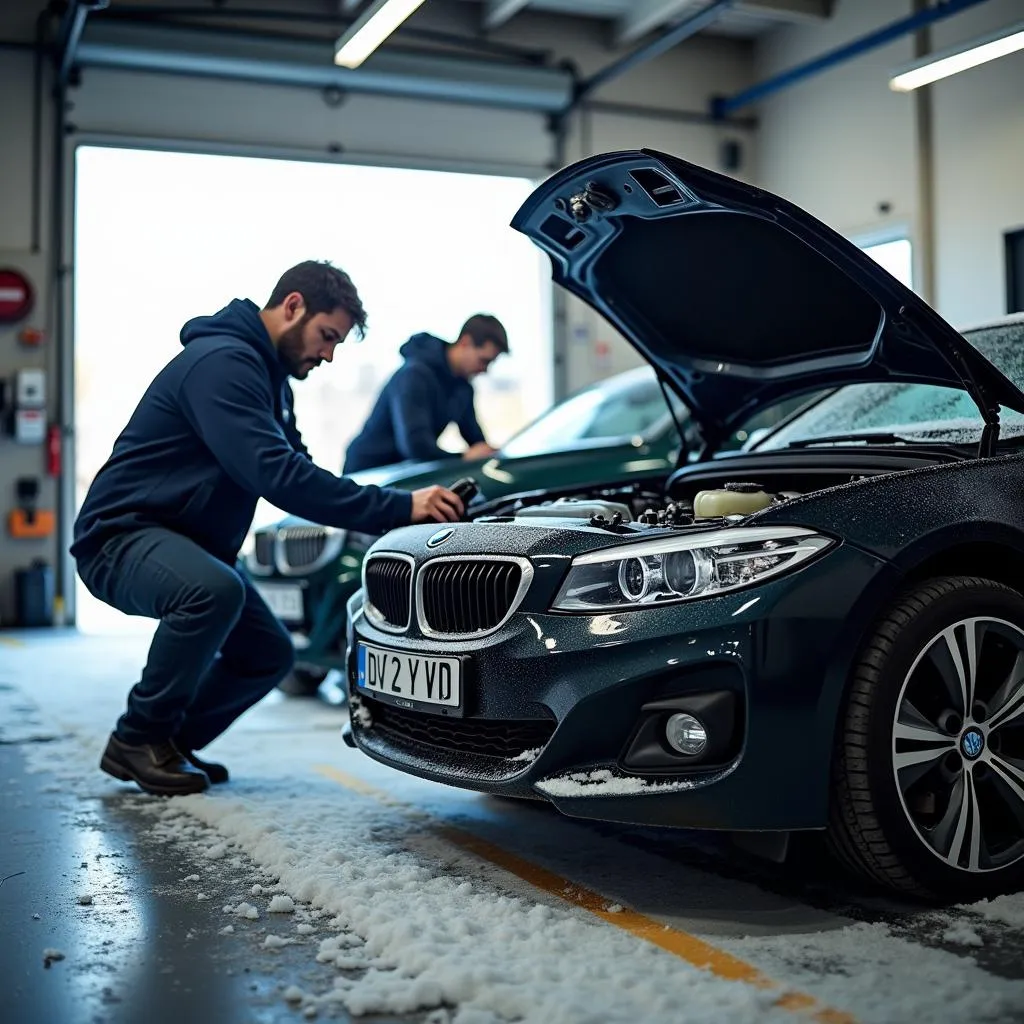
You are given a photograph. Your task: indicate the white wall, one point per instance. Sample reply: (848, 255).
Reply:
(841, 143)
(979, 167)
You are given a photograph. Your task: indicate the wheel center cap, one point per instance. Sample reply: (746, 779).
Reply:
(972, 743)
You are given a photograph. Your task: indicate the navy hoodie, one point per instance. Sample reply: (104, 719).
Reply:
(213, 433)
(413, 409)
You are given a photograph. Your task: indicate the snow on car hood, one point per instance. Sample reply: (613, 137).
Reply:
(736, 296)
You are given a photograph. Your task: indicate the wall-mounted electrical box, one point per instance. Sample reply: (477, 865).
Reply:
(30, 426)
(30, 389)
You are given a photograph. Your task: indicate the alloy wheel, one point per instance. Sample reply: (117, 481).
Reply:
(958, 745)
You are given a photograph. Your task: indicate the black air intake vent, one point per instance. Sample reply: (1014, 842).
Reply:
(481, 736)
(302, 546)
(389, 590)
(264, 543)
(468, 595)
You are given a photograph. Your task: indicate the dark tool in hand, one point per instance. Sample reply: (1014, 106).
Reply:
(466, 488)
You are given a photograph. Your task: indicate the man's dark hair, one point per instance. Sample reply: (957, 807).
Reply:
(482, 328)
(324, 288)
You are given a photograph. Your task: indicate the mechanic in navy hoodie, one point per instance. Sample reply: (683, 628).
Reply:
(429, 391)
(165, 517)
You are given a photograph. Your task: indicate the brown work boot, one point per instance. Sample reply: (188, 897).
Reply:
(157, 768)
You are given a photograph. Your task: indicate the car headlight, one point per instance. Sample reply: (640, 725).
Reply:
(681, 568)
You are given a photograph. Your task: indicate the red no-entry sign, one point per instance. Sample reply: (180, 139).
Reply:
(16, 296)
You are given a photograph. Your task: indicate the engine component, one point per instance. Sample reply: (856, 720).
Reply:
(577, 508)
(673, 514)
(732, 499)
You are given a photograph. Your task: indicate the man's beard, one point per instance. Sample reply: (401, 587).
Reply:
(289, 351)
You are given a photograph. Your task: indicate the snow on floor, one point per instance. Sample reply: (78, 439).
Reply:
(413, 923)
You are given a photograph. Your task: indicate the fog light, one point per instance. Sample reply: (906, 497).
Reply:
(686, 734)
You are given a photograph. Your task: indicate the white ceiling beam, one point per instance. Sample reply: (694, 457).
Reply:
(648, 15)
(497, 12)
(789, 10)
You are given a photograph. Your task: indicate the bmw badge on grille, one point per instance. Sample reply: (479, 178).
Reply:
(440, 537)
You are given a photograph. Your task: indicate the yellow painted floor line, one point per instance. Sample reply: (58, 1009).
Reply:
(12, 641)
(693, 950)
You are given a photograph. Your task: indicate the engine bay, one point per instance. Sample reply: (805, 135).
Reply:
(730, 503)
(702, 500)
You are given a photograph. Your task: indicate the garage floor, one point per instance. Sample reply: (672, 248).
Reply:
(320, 885)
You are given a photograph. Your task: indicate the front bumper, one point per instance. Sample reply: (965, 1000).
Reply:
(575, 688)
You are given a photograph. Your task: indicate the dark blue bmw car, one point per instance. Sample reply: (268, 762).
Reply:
(822, 632)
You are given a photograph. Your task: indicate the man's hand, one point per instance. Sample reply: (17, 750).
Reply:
(480, 450)
(436, 504)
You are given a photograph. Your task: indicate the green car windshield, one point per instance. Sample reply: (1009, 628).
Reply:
(912, 412)
(609, 412)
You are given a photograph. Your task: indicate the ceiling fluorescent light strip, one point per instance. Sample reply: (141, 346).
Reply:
(371, 29)
(958, 58)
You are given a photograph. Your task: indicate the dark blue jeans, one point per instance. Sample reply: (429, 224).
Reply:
(217, 651)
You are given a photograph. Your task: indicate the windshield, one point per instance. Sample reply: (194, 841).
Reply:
(916, 412)
(613, 411)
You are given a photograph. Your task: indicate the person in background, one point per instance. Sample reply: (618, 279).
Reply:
(163, 521)
(428, 392)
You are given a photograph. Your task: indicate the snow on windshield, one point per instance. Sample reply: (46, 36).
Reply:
(914, 411)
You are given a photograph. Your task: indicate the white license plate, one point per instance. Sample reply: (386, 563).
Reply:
(285, 601)
(408, 679)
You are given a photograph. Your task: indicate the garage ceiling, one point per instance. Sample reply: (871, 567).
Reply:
(464, 51)
(631, 20)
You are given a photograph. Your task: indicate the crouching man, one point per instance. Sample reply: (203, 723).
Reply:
(165, 517)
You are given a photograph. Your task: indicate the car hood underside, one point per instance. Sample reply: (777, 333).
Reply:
(737, 297)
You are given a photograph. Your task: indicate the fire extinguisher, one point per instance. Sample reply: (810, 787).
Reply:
(53, 450)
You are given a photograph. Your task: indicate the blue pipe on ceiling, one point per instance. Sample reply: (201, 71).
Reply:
(722, 106)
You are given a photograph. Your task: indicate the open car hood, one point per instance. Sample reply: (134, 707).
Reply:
(737, 297)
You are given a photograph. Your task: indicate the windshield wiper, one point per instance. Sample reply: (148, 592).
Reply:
(881, 438)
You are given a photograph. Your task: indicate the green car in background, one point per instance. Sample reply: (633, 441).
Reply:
(619, 430)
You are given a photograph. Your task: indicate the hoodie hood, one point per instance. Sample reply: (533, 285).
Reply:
(738, 298)
(240, 319)
(429, 349)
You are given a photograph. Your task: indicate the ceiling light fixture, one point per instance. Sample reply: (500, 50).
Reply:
(958, 58)
(370, 29)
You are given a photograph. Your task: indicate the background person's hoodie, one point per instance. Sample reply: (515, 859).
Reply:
(413, 409)
(213, 433)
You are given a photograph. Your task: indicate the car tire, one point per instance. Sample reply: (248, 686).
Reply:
(302, 682)
(920, 803)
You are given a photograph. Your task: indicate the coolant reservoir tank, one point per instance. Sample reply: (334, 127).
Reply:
(739, 499)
